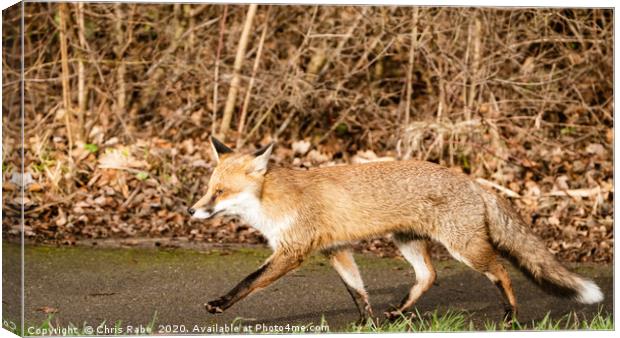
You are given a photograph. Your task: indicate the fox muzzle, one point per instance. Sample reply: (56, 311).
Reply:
(202, 213)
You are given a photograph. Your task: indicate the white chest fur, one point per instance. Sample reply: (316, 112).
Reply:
(249, 208)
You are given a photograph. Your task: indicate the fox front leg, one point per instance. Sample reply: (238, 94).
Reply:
(237, 293)
(344, 263)
(276, 266)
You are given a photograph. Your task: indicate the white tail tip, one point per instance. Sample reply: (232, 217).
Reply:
(589, 293)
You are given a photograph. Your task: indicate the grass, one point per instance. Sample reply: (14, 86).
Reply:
(569, 321)
(435, 322)
(449, 321)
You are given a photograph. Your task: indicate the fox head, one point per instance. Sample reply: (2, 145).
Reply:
(236, 183)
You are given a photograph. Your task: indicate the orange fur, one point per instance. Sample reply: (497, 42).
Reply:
(326, 209)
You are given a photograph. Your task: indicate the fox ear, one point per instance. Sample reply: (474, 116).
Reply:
(219, 148)
(261, 160)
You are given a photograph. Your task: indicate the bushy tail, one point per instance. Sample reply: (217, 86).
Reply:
(513, 238)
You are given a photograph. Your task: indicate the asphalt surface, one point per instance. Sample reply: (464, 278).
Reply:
(89, 286)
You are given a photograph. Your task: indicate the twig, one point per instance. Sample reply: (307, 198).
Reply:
(475, 68)
(336, 53)
(414, 37)
(66, 89)
(248, 93)
(543, 104)
(217, 69)
(505, 190)
(198, 10)
(575, 192)
(285, 124)
(259, 122)
(236, 78)
(131, 197)
(82, 94)
(121, 69)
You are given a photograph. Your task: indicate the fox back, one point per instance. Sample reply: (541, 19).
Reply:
(338, 204)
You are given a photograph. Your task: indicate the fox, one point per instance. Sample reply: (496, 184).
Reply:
(327, 209)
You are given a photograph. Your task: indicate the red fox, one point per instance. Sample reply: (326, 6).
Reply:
(326, 209)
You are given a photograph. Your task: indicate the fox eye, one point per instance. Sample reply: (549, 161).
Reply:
(219, 192)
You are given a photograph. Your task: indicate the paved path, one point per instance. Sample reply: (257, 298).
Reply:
(92, 285)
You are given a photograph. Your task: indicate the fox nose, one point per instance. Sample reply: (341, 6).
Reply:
(191, 211)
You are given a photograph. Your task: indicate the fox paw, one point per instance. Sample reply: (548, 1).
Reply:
(396, 314)
(363, 321)
(392, 315)
(510, 318)
(215, 306)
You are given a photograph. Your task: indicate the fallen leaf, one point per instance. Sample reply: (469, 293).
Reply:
(47, 309)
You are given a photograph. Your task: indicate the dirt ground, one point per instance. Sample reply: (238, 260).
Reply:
(89, 285)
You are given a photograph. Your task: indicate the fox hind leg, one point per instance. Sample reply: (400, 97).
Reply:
(481, 256)
(499, 276)
(417, 254)
(344, 263)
